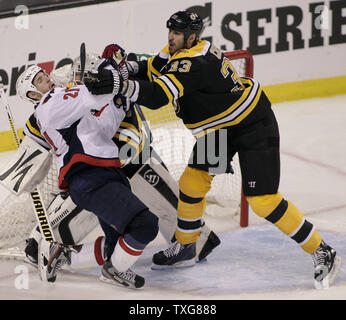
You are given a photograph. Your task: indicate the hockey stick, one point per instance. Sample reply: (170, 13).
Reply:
(82, 55)
(144, 121)
(39, 209)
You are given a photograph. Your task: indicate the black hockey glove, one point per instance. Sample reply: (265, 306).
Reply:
(122, 102)
(104, 82)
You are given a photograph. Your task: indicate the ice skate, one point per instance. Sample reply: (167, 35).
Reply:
(52, 257)
(177, 256)
(327, 264)
(127, 278)
(212, 242)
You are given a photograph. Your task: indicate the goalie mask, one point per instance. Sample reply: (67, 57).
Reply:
(92, 61)
(25, 83)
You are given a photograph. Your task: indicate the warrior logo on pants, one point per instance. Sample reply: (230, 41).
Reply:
(151, 177)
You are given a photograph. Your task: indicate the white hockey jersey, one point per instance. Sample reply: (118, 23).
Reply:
(79, 127)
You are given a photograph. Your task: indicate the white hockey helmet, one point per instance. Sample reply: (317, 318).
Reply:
(92, 61)
(25, 83)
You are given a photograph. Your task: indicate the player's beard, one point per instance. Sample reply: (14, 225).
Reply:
(174, 47)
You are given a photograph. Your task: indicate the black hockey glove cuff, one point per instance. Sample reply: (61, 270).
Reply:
(104, 82)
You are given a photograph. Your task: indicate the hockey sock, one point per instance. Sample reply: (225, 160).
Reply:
(286, 217)
(90, 255)
(194, 185)
(124, 255)
(189, 227)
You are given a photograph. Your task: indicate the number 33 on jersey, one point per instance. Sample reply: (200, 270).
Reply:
(190, 80)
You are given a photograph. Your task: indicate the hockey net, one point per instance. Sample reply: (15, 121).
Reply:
(17, 216)
(171, 140)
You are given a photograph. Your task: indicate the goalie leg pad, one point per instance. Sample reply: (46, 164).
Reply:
(27, 168)
(156, 188)
(70, 226)
(153, 185)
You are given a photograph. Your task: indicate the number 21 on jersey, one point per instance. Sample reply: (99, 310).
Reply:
(73, 93)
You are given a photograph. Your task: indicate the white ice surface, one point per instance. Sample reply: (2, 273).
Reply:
(258, 262)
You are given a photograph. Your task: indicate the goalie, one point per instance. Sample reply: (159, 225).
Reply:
(71, 224)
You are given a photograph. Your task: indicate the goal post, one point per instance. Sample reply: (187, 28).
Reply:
(247, 67)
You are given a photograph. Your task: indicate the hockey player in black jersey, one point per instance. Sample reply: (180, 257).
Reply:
(221, 108)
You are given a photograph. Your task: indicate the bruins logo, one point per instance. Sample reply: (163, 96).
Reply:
(193, 16)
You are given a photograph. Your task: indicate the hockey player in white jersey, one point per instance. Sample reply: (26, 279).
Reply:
(80, 128)
(161, 199)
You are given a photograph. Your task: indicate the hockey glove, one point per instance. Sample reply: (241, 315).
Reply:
(122, 102)
(132, 64)
(114, 51)
(104, 82)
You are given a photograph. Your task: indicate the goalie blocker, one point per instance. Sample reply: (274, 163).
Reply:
(151, 183)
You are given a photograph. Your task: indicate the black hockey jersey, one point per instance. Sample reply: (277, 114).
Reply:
(202, 85)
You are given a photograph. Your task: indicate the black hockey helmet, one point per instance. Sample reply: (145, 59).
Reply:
(186, 22)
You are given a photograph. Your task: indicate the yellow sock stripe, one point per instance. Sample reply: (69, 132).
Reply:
(189, 211)
(312, 243)
(185, 238)
(291, 220)
(195, 183)
(263, 206)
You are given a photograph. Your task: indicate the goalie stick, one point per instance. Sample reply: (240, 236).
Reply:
(38, 206)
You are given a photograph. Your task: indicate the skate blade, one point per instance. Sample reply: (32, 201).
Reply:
(181, 264)
(115, 282)
(329, 279)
